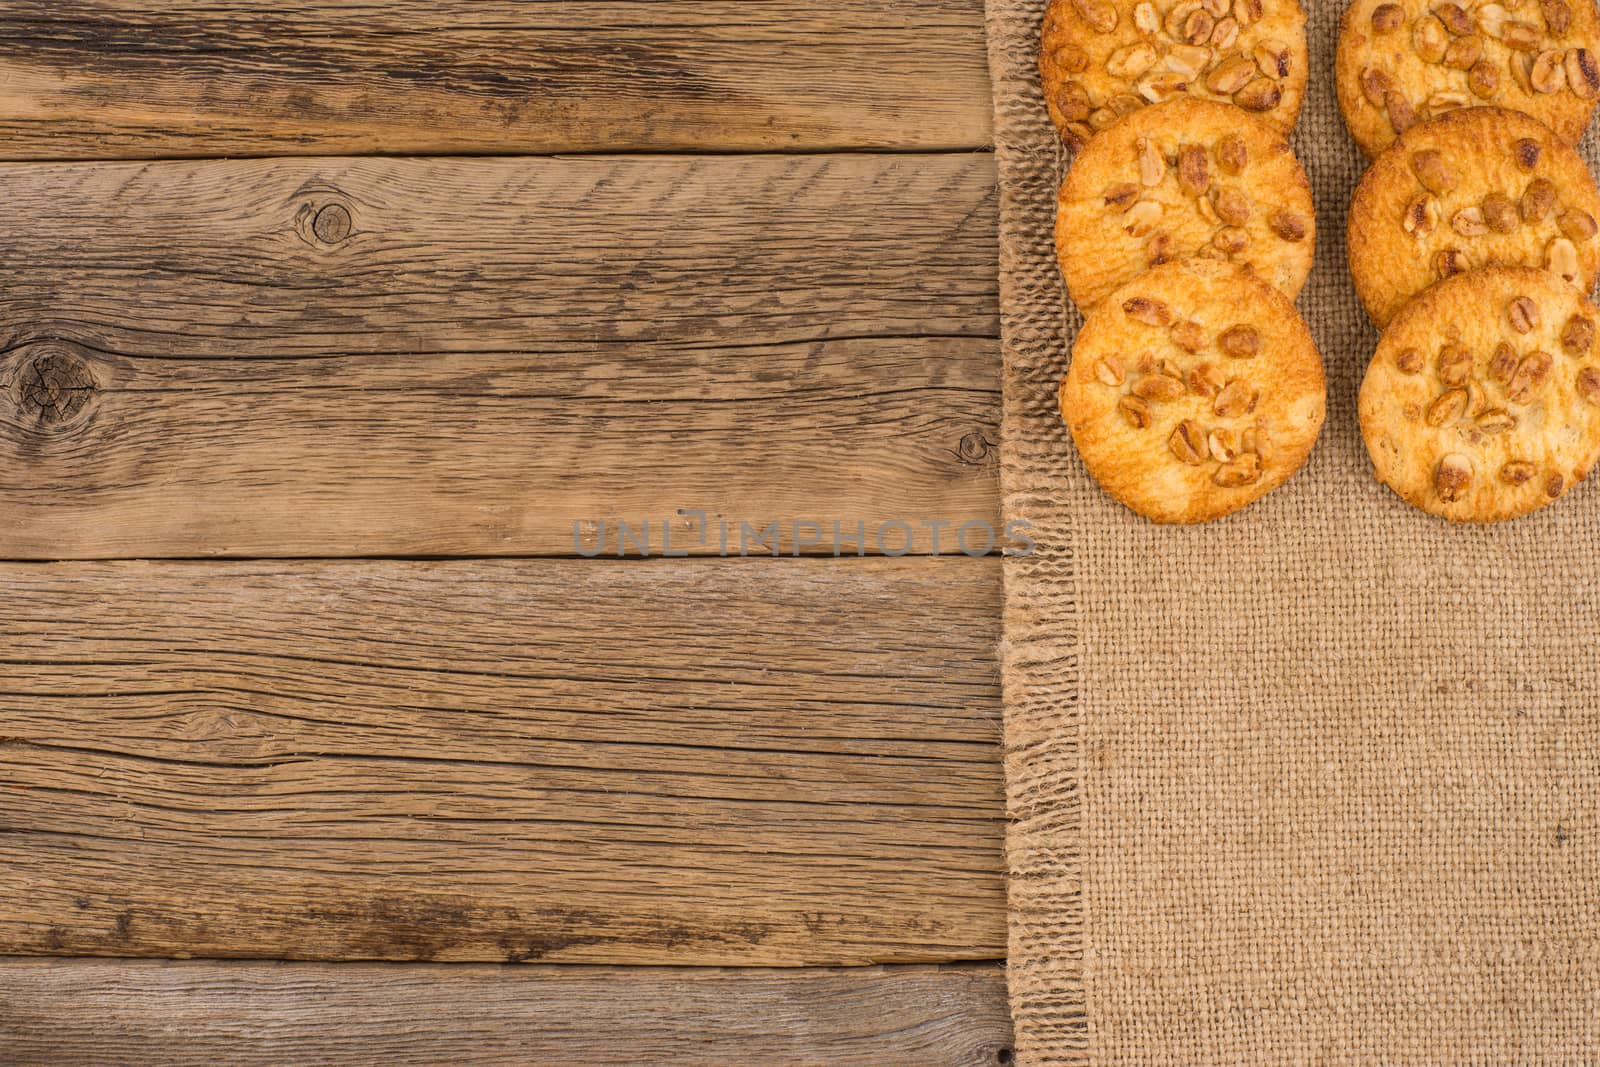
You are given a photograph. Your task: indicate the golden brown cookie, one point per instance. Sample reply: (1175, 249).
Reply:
(1401, 62)
(1194, 391)
(1185, 178)
(1100, 59)
(1483, 400)
(1478, 187)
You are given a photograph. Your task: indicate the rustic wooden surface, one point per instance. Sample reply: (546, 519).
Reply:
(709, 762)
(488, 350)
(202, 1013)
(547, 761)
(93, 79)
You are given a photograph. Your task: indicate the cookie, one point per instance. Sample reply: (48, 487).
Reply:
(1401, 62)
(1474, 188)
(1101, 59)
(1482, 402)
(1194, 391)
(1181, 179)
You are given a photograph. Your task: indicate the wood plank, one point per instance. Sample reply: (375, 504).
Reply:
(59, 1013)
(92, 79)
(733, 762)
(495, 350)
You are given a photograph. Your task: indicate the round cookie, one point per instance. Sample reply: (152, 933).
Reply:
(1482, 402)
(1404, 61)
(1181, 179)
(1100, 59)
(1194, 391)
(1477, 187)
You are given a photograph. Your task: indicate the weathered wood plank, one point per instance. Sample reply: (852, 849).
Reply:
(489, 350)
(96, 79)
(61, 1013)
(667, 762)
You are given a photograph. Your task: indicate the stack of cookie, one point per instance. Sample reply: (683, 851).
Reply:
(1185, 230)
(1473, 246)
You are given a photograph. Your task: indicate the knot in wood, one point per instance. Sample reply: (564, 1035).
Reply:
(53, 382)
(332, 224)
(974, 448)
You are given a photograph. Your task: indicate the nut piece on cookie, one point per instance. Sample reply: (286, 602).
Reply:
(1475, 187)
(1401, 62)
(1504, 416)
(1101, 59)
(1194, 390)
(1189, 178)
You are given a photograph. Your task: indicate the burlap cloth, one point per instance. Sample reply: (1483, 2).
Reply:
(1319, 783)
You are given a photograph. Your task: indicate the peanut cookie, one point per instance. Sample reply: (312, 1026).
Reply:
(1483, 400)
(1401, 62)
(1101, 59)
(1182, 179)
(1194, 391)
(1478, 187)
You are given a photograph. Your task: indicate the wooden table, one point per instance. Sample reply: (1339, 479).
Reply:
(315, 714)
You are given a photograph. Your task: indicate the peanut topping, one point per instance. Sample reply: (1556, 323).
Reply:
(1262, 94)
(1530, 375)
(1240, 342)
(1244, 469)
(1162, 388)
(1188, 443)
(1588, 385)
(1421, 217)
(1136, 411)
(1236, 398)
(1549, 73)
(1578, 225)
(1205, 381)
(1189, 335)
(1503, 364)
(1497, 421)
(1194, 174)
(1152, 164)
(1231, 75)
(1401, 114)
(1524, 315)
(1375, 85)
(1109, 371)
(1577, 337)
(1148, 311)
(1483, 79)
(1447, 408)
(1553, 486)
(1100, 14)
(1386, 18)
(1538, 200)
(1455, 20)
(1455, 364)
(1220, 443)
(1231, 205)
(1562, 258)
(1289, 226)
(1429, 39)
(1232, 154)
(1583, 75)
(1409, 362)
(1463, 53)
(1469, 222)
(1453, 477)
(1433, 172)
(1500, 213)
(1449, 261)
(1518, 472)
(1528, 152)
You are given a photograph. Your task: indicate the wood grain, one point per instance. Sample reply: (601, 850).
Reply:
(473, 355)
(733, 762)
(97, 79)
(62, 1013)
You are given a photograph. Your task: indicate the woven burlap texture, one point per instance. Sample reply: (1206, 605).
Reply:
(1317, 784)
